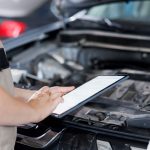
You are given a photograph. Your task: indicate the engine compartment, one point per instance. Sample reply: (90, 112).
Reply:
(61, 62)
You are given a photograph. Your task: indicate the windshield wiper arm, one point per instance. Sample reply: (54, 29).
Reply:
(118, 26)
(112, 24)
(107, 23)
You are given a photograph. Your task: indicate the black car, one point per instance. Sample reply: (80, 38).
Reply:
(90, 38)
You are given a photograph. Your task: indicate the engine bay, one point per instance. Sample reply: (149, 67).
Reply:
(124, 109)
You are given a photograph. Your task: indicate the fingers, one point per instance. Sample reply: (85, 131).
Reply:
(55, 96)
(54, 100)
(41, 92)
(44, 103)
(61, 89)
(59, 100)
(52, 94)
(56, 89)
(45, 89)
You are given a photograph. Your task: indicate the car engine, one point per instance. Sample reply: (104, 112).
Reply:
(73, 60)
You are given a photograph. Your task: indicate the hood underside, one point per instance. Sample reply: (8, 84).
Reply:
(70, 7)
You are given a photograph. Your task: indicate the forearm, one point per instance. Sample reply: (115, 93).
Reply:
(23, 94)
(14, 111)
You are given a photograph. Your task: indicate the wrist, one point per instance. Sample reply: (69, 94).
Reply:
(36, 115)
(24, 93)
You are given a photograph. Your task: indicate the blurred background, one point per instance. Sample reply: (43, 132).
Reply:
(68, 42)
(18, 16)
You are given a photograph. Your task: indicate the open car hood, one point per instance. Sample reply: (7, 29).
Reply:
(69, 7)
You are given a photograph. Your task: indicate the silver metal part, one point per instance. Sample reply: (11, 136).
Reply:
(38, 142)
(49, 68)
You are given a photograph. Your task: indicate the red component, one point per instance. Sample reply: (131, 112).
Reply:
(11, 29)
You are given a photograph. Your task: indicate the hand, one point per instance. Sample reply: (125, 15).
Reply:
(60, 89)
(45, 100)
(42, 103)
(25, 94)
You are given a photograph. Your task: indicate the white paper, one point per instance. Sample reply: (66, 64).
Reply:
(85, 91)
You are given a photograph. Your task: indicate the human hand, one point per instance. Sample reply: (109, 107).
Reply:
(45, 100)
(61, 89)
